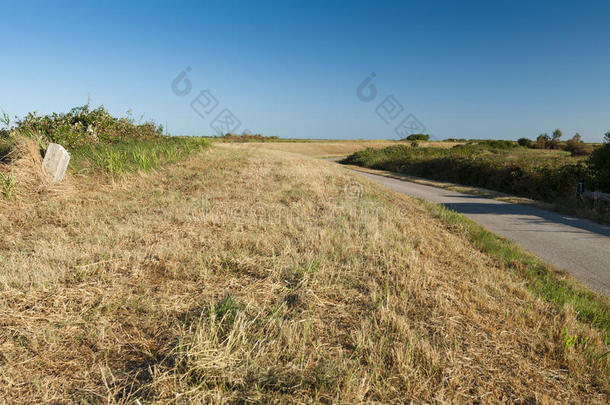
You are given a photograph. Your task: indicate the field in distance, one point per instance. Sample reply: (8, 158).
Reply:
(331, 148)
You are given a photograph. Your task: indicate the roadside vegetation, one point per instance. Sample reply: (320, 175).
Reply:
(96, 141)
(549, 175)
(247, 275)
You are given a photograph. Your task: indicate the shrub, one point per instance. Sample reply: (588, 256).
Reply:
(418, 137)
(497, 144)
(542, 142)
(577, 147)
(82, 126)
(519, 172)
(599, 164)
(525, 142)
(100, 142)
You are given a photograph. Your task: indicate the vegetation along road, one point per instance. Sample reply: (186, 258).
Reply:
(578, 246)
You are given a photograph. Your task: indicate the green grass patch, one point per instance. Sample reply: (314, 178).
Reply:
(540, 278)
(134, 155)
(8, 185)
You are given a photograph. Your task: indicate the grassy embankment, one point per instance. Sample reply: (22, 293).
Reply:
(254, 275)
(96, 141)
(544, 175)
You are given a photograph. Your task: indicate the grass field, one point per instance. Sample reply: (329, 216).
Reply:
(242, 274)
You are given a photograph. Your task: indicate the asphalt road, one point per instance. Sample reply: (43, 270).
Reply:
(578, 246)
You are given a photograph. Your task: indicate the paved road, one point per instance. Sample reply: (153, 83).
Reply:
(578, 246)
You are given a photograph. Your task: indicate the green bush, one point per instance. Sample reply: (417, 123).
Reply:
(525, 142)
(497, 144)
(517, 171)
(599, 164)
(82, 126)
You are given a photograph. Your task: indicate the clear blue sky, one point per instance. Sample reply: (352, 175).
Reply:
(464, 69)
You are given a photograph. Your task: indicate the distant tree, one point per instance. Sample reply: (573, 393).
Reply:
(418, 137)
(542, 141)
(577, 137)
(554, 143)
(525, 142)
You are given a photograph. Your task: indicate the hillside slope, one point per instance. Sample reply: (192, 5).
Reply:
(256, 275)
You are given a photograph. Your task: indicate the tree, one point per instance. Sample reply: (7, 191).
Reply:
(418, 137)
(542, 141)
(525, 142)
(554, 144)
(577, 137)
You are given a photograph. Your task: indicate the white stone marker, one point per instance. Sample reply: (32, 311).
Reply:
(56, 161)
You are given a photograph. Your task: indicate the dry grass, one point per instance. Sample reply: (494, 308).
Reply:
(245, 275)
(27, 176)
(337, 148)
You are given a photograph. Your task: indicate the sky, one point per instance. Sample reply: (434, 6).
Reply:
(299, 69)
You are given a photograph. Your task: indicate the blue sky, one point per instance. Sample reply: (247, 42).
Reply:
(463, 69)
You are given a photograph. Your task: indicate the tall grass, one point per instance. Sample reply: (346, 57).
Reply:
(128, 156)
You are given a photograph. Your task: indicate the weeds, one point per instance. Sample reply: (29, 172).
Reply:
(9, 185)
(5, 120)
